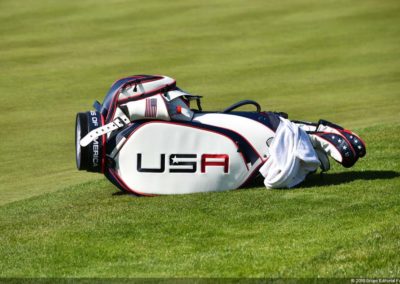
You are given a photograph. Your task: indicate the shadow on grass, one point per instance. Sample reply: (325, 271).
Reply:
(118, 193)
(346, 177)
(325, 179)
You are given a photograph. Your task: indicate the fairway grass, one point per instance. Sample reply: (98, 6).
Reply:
(337, 60)
(343, 224)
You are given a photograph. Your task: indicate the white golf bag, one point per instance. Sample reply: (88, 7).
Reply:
(147, 140)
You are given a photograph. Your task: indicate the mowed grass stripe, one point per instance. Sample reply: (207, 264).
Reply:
(343, 224)
(337, 60)
(334, 60)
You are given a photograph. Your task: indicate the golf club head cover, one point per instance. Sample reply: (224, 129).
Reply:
(336, 146)
(343, 145)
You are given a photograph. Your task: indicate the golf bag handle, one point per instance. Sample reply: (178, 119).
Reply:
(242, 103)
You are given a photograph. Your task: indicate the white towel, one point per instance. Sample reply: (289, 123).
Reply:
(292, 157)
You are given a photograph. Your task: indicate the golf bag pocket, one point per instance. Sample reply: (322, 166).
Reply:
(161, 157)
(158, 107)
(149, 108)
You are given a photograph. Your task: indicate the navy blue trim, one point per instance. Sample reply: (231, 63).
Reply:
(269, 119)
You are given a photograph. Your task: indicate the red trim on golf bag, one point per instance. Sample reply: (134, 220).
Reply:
(103, 141)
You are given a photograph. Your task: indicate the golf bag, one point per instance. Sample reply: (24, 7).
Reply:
(147, 140)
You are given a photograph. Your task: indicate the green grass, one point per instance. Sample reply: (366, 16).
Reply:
(347, 229)
(338, 60)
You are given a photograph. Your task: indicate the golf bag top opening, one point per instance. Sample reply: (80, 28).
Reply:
(92, 157)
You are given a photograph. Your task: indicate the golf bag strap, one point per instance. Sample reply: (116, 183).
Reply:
(119, 122)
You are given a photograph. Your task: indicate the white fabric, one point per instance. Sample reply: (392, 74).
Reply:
(292, 157)
(119, 122)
